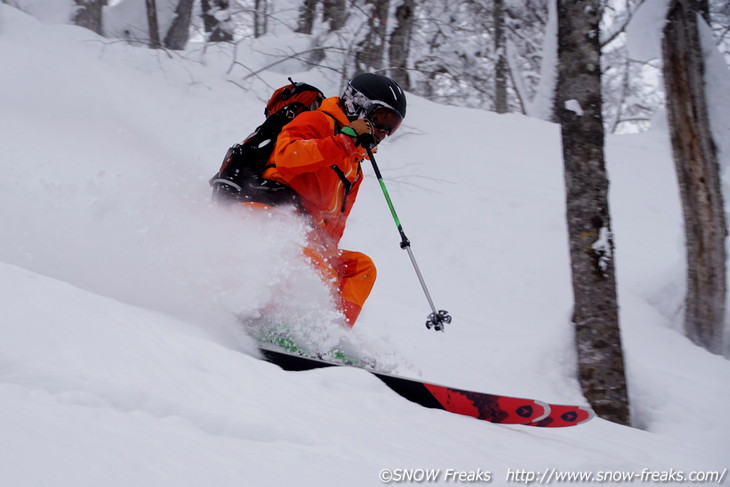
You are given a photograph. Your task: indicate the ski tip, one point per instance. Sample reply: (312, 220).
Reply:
(590, 414)
(546, 411)
(562, 416)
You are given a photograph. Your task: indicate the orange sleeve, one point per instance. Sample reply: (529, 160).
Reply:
(308, 143)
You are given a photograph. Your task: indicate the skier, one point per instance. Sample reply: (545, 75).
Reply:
(318, 156)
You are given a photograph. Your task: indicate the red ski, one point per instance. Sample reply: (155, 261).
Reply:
(565, 415)
(479, 405)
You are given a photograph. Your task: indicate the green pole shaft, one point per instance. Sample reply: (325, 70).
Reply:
(405, 243)
(404, 240)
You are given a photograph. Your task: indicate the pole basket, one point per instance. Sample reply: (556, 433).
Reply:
(438, 319)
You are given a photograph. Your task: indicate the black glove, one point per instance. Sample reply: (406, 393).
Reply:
(361, 131)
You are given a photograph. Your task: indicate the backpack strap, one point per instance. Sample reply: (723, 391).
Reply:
(340, 174)
(338, 125)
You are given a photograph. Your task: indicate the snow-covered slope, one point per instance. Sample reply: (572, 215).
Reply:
(121, 358)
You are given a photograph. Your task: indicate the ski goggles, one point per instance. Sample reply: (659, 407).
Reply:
(385, 120)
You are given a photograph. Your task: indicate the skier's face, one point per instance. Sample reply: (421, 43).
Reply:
(385, 122)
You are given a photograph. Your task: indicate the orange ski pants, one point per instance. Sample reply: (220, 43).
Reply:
(353, 273)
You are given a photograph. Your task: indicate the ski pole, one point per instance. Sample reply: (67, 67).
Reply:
(437, 319)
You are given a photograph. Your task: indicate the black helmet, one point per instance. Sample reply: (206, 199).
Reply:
(368, 91)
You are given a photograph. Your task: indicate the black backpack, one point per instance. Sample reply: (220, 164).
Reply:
(240, 177)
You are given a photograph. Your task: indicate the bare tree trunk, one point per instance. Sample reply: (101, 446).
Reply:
(306, 16)
(400, 43)
(702, 7)
(370, 52)
(698, 173)
(543, 104)
(153, 25)
(177, 35)
(501, 67)
(88, 14)
(217, 29)
(335, 12)
(260, 23)
(595, 314)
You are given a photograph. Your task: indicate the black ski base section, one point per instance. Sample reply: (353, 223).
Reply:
(479, 405)
(410, 389)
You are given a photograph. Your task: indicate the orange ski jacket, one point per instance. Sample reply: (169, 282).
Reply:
(321, 165)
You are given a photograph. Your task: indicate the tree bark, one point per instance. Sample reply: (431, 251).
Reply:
(153, 25)
(89, 14)
(578, 108)
(500, 49)
(400, 42)
(306, 16)
(699, 178)
(702, 7)
(217, 29)
(543, 104)
(179, 31)
(334, 12)
(260, 23)
(370, 52)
